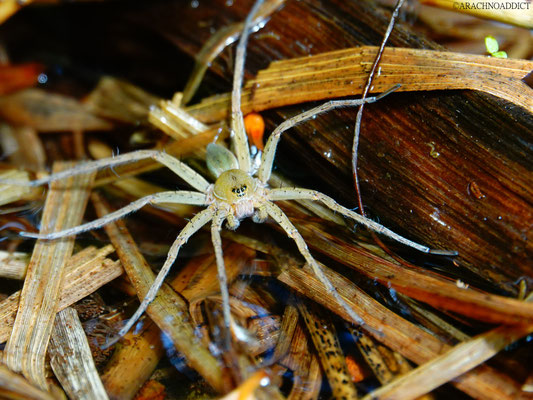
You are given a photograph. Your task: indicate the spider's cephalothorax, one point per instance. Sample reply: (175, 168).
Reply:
(234, 189)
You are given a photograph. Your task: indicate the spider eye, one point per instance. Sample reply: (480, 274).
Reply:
(243, 187)
(233, 190)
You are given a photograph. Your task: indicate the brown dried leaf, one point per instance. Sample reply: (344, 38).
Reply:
(48, 112)
(343, 73)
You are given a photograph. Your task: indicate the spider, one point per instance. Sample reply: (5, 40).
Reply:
(237, 193)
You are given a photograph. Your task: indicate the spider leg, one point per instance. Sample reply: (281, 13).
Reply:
(180, 197)
(199, 220)
(307, 194)
(218, 219)
(179, 168)
(237, 123)
(272, 143)
(279, 216)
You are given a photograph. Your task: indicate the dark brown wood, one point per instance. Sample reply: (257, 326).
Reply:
(450, 169)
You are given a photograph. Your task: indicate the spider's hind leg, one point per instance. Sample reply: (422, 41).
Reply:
(279, 216)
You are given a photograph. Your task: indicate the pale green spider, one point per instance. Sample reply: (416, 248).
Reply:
(236, 193)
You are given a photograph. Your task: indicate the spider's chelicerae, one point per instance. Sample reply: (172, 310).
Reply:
(237, 193)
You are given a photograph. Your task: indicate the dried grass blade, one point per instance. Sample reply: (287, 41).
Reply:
(343, 73)
(397, 333)
(20, 387)
(133, 362)
(121, 101)
(324, 336)
(453, 363)
(429, 318)
(167, 303)
(71, 358)
(306, 367)
(39, 300)
(13, 265)
(371, 354)
(289, 321)
(87, 271)
(9, 194)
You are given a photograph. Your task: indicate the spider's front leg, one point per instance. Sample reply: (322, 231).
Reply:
(181, 169)
(265, 170)
(307, 194)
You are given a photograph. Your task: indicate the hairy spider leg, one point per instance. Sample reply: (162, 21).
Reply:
(181, 169)
(178, 197)
(265, 170)
(279, 216)
(240, 141)
(307, 194)
(216, 226)
(198, 221)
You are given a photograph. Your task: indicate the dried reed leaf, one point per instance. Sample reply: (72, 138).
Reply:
(289, 321)
(515, 16)
(48, 112)
(178, 328)
(13, 265)
(133, 362)
(455, 362)
(71, 359)
(371, 354)
(324, 336)
(306, 367)
(344, 72)
(14, 386)
(425, 287)
(8, 193)
(23, 147)
(174, 120)
(398, 334)
(433, 319)
(87, 271)
(120, 100)
(64, 208)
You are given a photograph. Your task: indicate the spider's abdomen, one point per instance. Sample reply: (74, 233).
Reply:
(234, 186)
